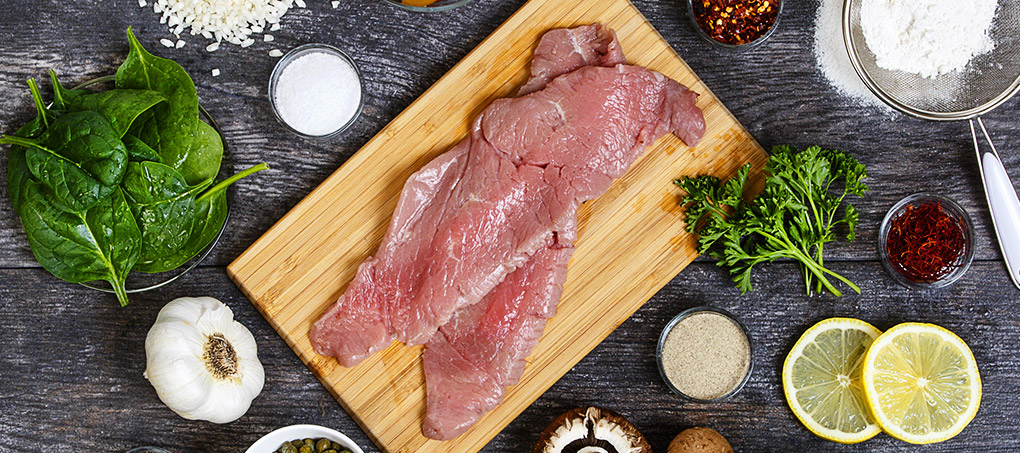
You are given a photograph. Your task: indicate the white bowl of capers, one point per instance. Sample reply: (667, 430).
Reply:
(304, 439)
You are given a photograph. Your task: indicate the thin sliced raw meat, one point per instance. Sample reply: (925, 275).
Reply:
(508, 190)
(482, 350)
(565, 49)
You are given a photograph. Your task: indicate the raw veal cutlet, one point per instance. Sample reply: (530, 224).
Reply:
(511, 188)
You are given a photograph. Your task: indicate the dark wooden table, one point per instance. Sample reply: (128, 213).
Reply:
(71, 359)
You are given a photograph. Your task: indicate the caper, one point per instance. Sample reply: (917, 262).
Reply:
(321, 445)
(287, 447)
(329, 451)
(335, 446)
(297, 443)
(310, 443)
(306, 449)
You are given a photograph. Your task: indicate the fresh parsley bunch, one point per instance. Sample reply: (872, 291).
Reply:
(794, 217)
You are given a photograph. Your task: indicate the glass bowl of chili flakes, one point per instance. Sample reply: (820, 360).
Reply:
(735, 24)
(926, 241)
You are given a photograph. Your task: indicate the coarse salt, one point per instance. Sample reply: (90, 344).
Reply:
(317, 93)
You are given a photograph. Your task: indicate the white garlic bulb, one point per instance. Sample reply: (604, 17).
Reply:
(203, 364)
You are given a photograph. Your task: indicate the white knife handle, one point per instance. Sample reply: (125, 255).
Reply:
(1003, 205)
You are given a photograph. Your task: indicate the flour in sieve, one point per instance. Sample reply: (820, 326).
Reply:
(927, 37)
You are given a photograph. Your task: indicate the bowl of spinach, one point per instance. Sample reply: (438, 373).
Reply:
(124, 183)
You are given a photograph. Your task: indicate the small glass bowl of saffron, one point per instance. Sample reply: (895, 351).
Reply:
(735, 24)
(926, 241)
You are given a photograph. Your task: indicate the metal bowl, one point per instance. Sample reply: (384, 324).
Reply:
(441, 5)
(137, 281)
(686, 314)
(746, 46)
(951, 208)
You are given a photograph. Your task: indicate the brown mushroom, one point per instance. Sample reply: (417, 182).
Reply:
(699, 440)
(591, 430)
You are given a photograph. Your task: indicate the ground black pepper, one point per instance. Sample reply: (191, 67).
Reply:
(735, 21)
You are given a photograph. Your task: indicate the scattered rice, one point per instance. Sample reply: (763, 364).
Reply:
(180, 43)
(232, 21)
(216, 72)
(268, 38)
(166, 42)
(335, 4)
(212, 47)
(275, 53)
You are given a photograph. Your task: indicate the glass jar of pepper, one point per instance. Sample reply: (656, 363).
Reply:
(735, 23)
(926, 241)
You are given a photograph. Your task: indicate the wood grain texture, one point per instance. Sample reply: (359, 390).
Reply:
(630, 242)
(71, 362)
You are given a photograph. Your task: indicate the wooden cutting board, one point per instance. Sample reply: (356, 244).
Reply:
(631, 240)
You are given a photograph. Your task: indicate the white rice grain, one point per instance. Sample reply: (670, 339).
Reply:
(233, 21)
(166, 42)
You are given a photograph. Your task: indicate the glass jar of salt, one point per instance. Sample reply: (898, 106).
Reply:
(316, 91)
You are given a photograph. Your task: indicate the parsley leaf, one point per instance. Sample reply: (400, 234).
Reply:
(796, 214)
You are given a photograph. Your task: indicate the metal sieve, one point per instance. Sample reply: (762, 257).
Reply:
(986, 82)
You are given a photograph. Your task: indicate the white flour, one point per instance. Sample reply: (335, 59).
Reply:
(927, 37)
(831, 56)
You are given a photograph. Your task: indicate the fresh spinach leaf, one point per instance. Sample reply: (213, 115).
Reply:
(80, 157)
(138, 151)
(101, 243)
(121, 106)
(18, 174)
(210, 217)
(164, 206)
(203, 162)
(170, 129)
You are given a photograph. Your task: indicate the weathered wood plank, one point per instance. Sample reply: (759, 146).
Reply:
(69, 351)
(70, 368)
(775, 91)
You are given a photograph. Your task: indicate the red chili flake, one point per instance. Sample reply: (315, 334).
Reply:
(735, 21)
(925, 243)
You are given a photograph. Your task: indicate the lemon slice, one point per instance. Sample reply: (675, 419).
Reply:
(821, 380)
(921, 382)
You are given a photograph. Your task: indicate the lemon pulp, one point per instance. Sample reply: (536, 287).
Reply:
(922, 383)
(822, 376)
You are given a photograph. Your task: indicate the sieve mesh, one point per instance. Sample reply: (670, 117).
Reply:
(988, 80)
